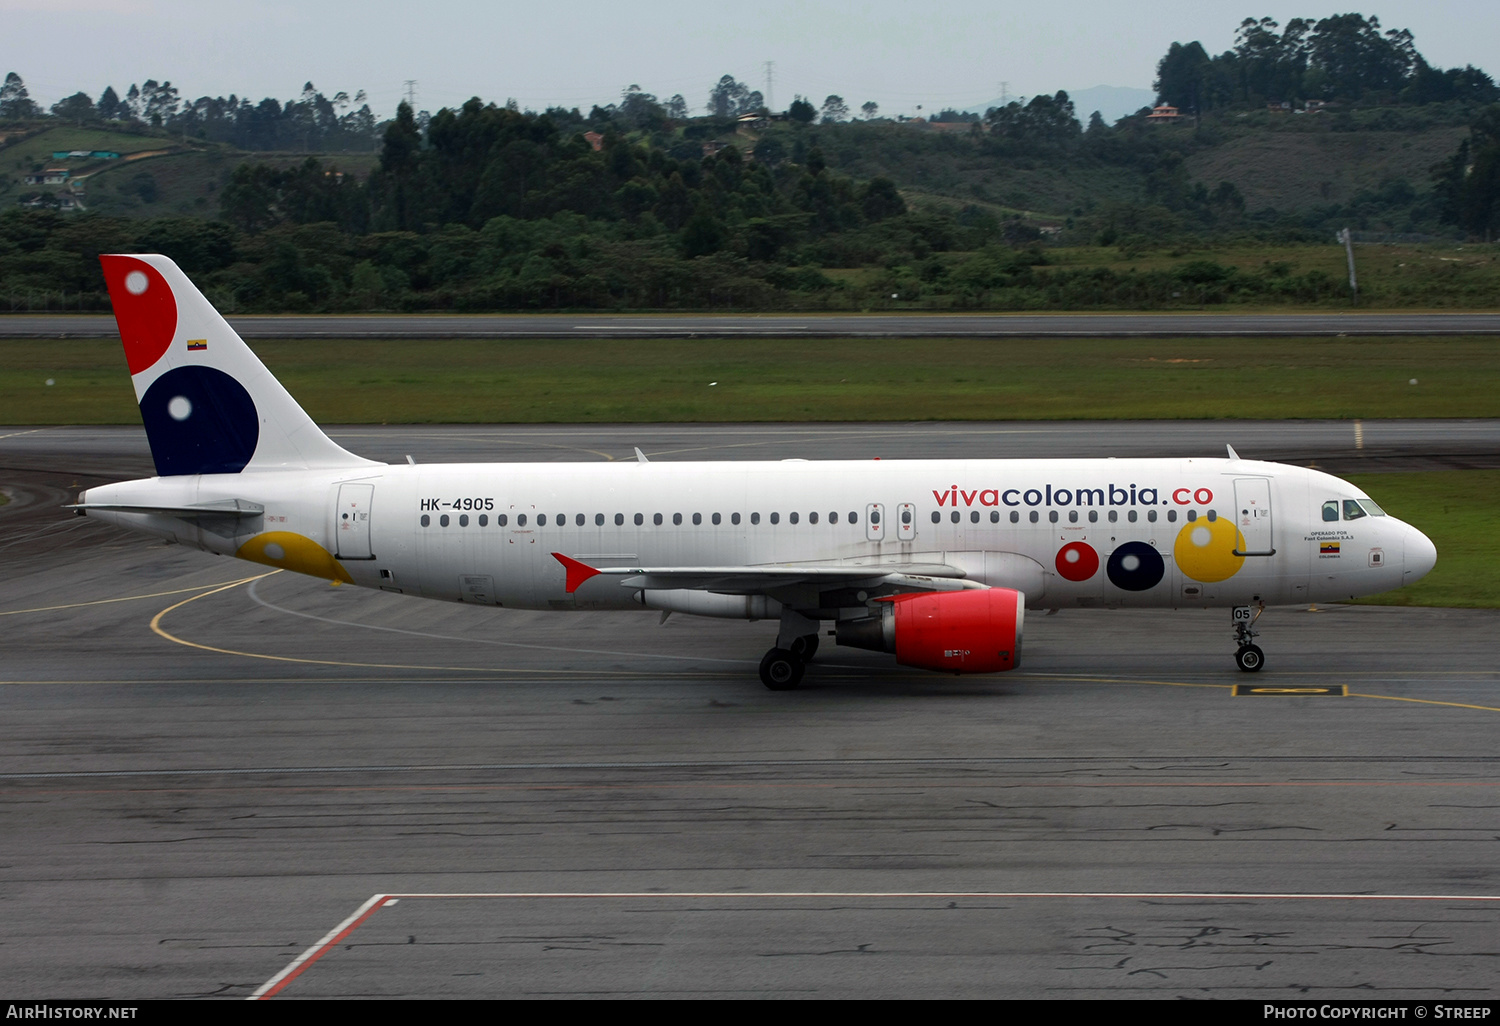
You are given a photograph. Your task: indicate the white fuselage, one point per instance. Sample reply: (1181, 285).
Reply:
(485, 533)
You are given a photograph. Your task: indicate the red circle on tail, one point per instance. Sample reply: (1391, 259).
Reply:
(144, 307)
(1077, 561)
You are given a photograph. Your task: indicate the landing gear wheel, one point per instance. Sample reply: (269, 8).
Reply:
(1249, 658)
(805, 647)
(780, 670)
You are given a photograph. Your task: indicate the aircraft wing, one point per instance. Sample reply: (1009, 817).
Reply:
(754, 580)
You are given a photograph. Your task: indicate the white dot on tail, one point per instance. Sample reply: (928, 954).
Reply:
(1201, 536)
(274, 551)
(1131, 563)
(180, 408)
(136, 282)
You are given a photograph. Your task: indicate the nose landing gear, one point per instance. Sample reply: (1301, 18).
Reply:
(1247, 656)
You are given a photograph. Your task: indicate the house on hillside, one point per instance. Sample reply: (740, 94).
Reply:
(1163, 113)
(595, 140)
(51, 176)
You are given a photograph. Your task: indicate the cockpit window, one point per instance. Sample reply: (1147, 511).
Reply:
(1371, 508)
(1352, 510)
(1331, 510)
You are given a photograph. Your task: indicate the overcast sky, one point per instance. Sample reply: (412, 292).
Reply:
(581, 52)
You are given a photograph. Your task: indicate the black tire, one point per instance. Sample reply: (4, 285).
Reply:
(1250, 658)
(780, 670)
(805, 647)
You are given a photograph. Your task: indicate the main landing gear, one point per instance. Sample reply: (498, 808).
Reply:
(1247, 656)
(781, 668)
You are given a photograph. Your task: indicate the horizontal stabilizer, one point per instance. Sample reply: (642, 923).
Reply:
(219, 508)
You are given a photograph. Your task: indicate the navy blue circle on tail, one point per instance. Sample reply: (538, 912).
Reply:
(1136, 566)
(199, 421)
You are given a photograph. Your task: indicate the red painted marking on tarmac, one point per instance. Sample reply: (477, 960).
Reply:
(302, 962)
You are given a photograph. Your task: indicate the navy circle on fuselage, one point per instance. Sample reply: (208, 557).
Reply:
(199, 420)
(1136, 566)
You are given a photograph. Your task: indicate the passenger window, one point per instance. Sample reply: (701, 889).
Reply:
(1192, 515)
(520, 519)
(1330, 511)
(1034, 517)
(754, 518)
(1052, 515)
(463, 520)
(734, 518)
(484, 520)
(697, 519)
(1213, 515)
(1114, 515)
(937, 518)
(598, 519)
(1072, 516)
(619, 520)
(812, 518)
(1131, 516)
(1093, 516)
(874, 516)
(775, 518)
(677, 519)
(1352, 510)
(853, 517)
(580, 520)
(974, 517)
(640, 519)
(426, 520)
(994, 516)
(501, 519)
(1171, 516)
(717, 519)
(833, 518)
(953, 515)
(1015, 516)
(541, 520)
(792, 517)
(443, 520)
(656, 519)
(1151, 515)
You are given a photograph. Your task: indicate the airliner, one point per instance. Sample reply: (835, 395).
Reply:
(933, 561)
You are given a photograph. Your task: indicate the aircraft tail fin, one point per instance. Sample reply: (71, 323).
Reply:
(209, 405)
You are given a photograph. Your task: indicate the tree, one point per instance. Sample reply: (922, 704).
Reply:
(677, 108)
(77, 108)
(834, 110)
(869, 108)
(1181, 76)
(15, 102)
(109, 104)
(728, 98)
(1467, 184)
(802, 111)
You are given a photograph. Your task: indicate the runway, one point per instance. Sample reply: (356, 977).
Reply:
(815, 325)
(208, 771)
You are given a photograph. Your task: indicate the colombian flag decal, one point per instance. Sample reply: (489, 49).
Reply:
(1328, 549)
(197, 343)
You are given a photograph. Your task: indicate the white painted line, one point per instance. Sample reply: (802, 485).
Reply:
(274, 985)
(277, 983)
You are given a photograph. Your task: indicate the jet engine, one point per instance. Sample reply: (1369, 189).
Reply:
(973, 631)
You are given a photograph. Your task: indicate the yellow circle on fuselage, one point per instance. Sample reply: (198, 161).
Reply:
(1205, 550)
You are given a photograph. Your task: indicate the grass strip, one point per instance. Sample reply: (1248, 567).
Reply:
(344, 381)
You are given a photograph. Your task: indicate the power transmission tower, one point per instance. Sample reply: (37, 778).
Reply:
(411, 94)
(769, 66)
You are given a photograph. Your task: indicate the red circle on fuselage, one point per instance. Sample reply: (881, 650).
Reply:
(147, 315)
(1077, 561)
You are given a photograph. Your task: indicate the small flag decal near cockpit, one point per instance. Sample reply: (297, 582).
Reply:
(1328, 549)
(197, 343)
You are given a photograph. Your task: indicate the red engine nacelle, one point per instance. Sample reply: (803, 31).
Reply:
(973, 631)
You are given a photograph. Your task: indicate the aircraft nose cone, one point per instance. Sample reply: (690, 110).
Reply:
(1420, 556)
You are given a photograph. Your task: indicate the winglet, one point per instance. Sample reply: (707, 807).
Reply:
(640, 457)
(1232, 454)
(577, 572)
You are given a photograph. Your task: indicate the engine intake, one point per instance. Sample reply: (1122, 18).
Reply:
(976, 631)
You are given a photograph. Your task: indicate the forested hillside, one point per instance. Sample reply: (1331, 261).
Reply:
(312, 205)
